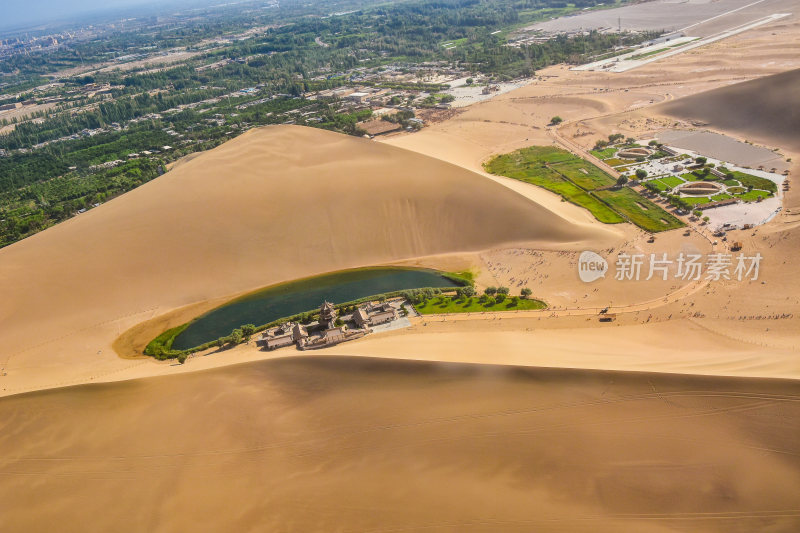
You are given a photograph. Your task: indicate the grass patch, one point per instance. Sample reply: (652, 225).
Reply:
(658, 184)
(648, 54)
(464, 277)
(546, 154)
(615, 162)
(672, 181)
(163, 343)
(450, 304)
(629, 202)
(584, 174)
(696, 200)
(753, 195)
(604, 153)
(748, 180)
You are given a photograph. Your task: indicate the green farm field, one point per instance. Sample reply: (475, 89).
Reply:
(535, 165)
(640, 210)
(575, 180)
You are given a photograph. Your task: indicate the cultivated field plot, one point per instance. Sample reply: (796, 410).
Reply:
(581, 183)
(639, 210)
(533, 165)
(585, 175)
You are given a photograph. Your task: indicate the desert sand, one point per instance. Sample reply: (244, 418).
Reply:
(336, 444)
(670, 419)
(771, 104)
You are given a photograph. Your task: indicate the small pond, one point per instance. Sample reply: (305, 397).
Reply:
(288, 299)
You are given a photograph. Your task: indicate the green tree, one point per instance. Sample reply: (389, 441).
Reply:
(641, 173)
(490, 291)
(502, 290)
(526, 293)
(235, 337)
(622, 180)
(248, 330)
(556, 120)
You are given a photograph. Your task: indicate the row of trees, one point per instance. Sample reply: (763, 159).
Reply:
(525, 292)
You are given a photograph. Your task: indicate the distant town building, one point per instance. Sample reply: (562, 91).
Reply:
(358, 97)
(378, 126)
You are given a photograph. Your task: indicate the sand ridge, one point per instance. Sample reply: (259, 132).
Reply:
(358, 444)
(275, 204)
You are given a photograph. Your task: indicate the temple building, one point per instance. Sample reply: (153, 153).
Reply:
(374, 315)
(327, 315)
(285, 335)
(325, 332)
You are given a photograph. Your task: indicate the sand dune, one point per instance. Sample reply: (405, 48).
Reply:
(328, 443)
(275, 204)
(321, 444)
(767, 108)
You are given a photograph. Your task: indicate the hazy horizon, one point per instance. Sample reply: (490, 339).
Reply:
(18, 14)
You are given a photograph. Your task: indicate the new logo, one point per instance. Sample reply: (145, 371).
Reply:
(591, 266)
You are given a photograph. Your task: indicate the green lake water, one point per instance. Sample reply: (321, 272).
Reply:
(296, 297)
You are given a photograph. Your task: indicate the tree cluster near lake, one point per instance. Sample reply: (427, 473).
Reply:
(462, 303)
